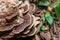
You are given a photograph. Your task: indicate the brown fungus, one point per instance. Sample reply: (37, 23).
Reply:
(7, 27)
(33, 24)
(31, 33)
(21, 27)
(33, 21)
(26, 6)
(26, 32)
(8, 9)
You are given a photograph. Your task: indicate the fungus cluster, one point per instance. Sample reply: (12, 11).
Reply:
(18, 18)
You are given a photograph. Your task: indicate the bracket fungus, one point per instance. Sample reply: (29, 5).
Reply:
(7, 9)
(21, 27)
(17, 18)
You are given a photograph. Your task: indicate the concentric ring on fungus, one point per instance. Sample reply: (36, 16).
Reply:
(26, 23)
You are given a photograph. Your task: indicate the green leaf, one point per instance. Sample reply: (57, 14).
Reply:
(42, 28)
(39, 3)
(48, 18)
(57, 10)
(43, 19)
(47, 14)
(55, 4)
